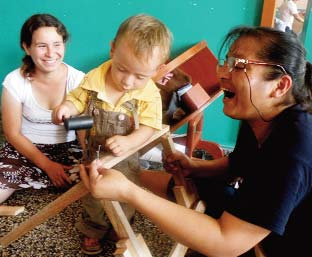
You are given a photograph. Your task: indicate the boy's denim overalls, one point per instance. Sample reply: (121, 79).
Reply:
(94, 223)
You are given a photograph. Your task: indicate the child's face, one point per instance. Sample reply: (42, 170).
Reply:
(129, 72)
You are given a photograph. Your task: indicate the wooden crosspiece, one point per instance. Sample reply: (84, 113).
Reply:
(11, 210)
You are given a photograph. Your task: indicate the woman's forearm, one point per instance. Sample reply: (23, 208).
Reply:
(29, 150)
(210, 168)
(178, 222)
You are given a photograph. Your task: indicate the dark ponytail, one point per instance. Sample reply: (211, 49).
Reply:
(307, 101)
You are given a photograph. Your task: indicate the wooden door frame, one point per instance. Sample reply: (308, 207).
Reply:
(268, 13)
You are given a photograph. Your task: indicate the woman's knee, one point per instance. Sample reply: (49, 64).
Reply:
(5, 194)
(155, 181)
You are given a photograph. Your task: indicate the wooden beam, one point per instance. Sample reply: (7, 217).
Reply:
(268, 13)
(117, 217)
(11, 210)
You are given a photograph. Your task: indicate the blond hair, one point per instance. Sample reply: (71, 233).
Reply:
(144, 33)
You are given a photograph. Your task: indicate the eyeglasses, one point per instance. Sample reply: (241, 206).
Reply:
(239, 63)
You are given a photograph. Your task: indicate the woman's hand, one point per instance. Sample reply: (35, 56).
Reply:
(57, 175)
(104, 183)
(178, 162)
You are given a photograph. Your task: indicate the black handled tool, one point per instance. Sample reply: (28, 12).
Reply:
(77, 123)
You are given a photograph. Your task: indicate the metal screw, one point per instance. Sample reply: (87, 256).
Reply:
(98, 152)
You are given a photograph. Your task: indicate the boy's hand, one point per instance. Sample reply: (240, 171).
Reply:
(118, 145)
(60, 113)
(178, 162)
(104, 183)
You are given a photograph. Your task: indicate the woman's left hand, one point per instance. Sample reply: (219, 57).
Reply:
(57, 175)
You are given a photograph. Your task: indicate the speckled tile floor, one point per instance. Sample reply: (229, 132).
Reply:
(58, 236)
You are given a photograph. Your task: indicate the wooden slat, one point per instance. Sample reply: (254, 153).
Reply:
(11, 210)
(123, 229)
(179, 250)
(268, 13)
(180, 59)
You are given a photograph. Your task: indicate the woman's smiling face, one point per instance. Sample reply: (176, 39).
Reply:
(47, 49)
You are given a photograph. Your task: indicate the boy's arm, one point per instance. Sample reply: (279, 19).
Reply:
(121, 144)
(74, 104)
(139, 136)
(64, 111)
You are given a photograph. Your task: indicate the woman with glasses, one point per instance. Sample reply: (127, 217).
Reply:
(267, 84)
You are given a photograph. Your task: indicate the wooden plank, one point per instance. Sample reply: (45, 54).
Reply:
(185, 194)
(123, 229)
(184, 198)
(168, 148)
(11, 210)
(125, 247)
(180, 59)
(178, 250)
(268, 13)
(258, 251)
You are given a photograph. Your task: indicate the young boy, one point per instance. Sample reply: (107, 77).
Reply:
(126, 107)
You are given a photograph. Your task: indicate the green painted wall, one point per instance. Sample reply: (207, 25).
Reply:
(93, 23)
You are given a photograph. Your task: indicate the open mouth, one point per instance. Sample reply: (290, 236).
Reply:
(228, 93)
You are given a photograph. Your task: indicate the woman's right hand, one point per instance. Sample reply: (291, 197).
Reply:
(57, 175)
(178, 162)
(104, 183)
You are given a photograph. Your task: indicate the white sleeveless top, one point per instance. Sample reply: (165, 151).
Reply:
(37, 123)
